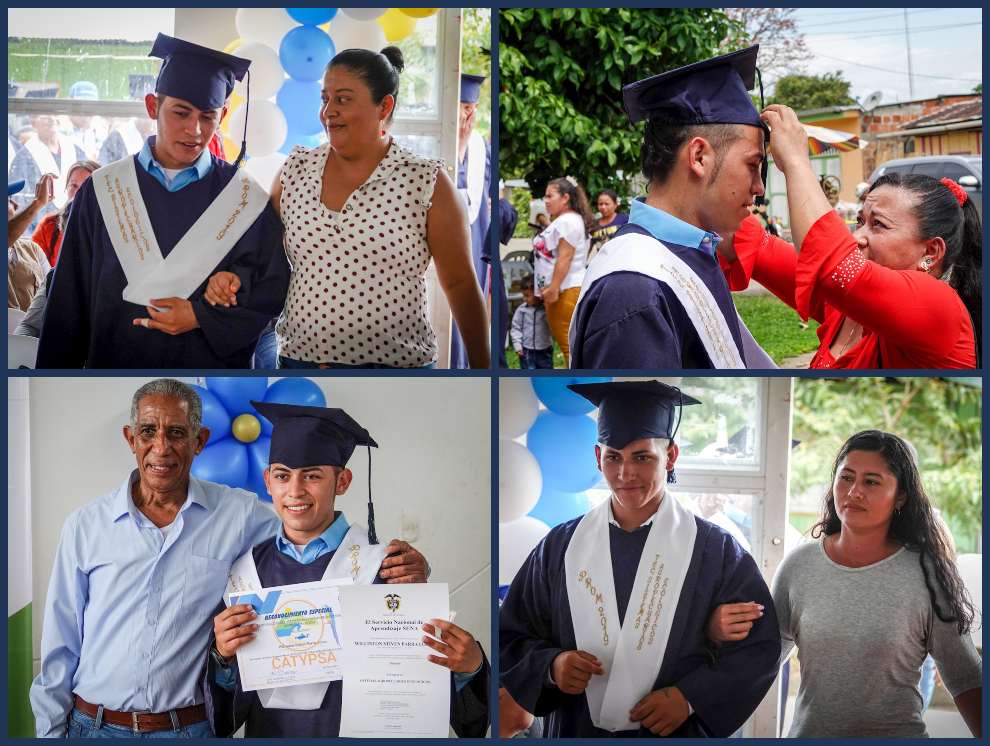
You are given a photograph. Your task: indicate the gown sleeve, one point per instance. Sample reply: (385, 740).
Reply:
(469, 713)
(226, 709)
(260, 263)
(526, 637)
(65, 330)
(727, 691)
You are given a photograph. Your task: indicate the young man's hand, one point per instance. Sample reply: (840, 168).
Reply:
(572, 670)
(232, 629)
(661, 712)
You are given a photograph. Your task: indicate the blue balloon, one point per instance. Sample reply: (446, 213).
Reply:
(565, 449)
(311, 16)
(556, 397)
(293, 138)
(215, 417)
(225, 462)
(257, 463)
(292, 391)
(305, 52)
(236, 392)
(554, 508)
(301, 103)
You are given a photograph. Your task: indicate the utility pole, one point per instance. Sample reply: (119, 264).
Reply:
(907, 40)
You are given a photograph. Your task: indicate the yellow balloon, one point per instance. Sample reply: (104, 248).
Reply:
(419, 12)
(396, 24)
(325, 26)
(235, 102)
(231, 149)
(246, 428)
(233, 45)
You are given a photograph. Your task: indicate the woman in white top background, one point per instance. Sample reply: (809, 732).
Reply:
(560, 255)
(363, 218)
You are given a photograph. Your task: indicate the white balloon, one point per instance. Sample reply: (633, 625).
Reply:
(264, 168)
(266, 131)
(515, 541)
(266, 71)
(363, 14)
(348, 33)
(518, 407)
(519, 481)
(264, 25)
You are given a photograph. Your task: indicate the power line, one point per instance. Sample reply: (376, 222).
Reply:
(893, 32)
(860, 19)
(899, 72)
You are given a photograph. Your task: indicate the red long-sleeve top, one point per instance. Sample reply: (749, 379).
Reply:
(910, 319)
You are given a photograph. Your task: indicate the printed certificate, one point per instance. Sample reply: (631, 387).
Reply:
(390, 689)
(299, 635)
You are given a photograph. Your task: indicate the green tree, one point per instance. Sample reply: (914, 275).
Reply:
(802, 92)
(476, 58)
(561, 75)
(942, 418)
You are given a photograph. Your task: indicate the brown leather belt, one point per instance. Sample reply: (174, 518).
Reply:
(145, 722)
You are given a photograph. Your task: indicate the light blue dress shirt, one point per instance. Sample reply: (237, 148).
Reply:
(129, 611)
(185, 177)
(667, 229)
(323, 544)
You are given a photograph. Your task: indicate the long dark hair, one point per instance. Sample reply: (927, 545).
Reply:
(914, 525)
(578, 200)
(939, 214)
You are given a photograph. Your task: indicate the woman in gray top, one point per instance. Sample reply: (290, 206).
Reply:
(865, 605)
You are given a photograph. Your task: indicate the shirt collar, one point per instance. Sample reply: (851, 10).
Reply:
(647, 522)
(196, 171)
(123, 503)
(667, 229)
(395, 156)
(330, 538)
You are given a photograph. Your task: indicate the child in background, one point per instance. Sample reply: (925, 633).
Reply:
(530, 331)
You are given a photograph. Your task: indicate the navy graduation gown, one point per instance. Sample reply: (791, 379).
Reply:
(629, 320)
(724, 686)
(87, 322)
(479, 239)
(228, 710)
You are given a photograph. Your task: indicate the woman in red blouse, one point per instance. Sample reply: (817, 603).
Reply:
(903, 291)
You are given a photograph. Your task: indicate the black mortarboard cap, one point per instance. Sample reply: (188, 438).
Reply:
(471, 88)
(712, 91)
(202, 76)
(630, 410)
(316, 436)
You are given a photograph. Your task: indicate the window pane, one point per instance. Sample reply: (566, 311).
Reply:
(723, 431)
(928, 168)
(87, 54)
(419, 86)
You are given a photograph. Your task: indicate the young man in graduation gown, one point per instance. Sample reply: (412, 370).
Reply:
(474, 178)
(603, 628)
(146, 232)
(310, 448)
(656, 298)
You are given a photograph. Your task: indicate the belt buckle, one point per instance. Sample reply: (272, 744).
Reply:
(134, 719)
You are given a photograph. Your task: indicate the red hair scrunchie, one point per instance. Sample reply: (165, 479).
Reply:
(957, 191)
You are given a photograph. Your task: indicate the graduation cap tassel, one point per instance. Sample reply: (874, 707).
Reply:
(671, 476)
(247, 111)
(372, 537)
(765, 165)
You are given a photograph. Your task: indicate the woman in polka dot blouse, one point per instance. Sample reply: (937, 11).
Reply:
(363, 219)
(903, 291)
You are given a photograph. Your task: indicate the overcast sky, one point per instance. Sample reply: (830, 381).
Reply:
(857, 41)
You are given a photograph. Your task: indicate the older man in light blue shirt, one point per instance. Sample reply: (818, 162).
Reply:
(137, 576)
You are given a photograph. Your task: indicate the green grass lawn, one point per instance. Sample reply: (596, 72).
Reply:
(776, 327)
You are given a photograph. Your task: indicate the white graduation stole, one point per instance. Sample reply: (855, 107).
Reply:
(46, 163)
(206, 243)
(648, 256)
(475, 191)
(356, 559)
(631, 655)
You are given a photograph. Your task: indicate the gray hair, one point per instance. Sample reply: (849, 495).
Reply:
(175, 390)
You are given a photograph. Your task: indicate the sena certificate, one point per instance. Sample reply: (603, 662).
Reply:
(299, 635)
(390, 689)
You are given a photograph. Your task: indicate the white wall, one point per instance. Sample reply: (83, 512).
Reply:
(431, 472)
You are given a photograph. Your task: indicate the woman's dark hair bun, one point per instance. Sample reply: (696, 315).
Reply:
(394, 55)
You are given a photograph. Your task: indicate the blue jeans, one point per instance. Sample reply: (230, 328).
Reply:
(82, 725)
(927, 683)
(265, 352)
(288, 362)
(536, 359)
